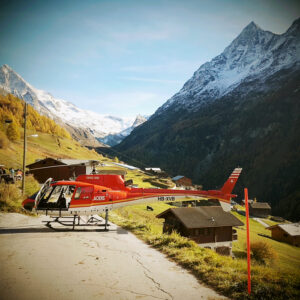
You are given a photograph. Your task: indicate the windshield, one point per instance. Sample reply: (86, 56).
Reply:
(61, 194)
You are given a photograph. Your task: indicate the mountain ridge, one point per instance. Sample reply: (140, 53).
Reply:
(114, 139)
(253, 123)
(90, 124)
(252, 52)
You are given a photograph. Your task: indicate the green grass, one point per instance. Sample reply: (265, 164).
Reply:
(288, 255)
(224, 274)
(45, 145)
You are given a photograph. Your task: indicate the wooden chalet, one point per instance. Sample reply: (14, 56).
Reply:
(289, 233)
(208, 226)
(60, 169)
(259, 209)
(182, 181)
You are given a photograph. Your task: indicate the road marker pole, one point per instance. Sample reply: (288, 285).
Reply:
(248, 240)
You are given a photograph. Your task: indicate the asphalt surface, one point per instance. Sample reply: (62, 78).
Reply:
(39, 263)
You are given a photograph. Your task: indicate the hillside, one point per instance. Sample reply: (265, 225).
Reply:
(240, 109)
(85, 126)
(45, 139)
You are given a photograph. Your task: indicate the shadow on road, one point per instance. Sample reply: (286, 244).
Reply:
(21, 230)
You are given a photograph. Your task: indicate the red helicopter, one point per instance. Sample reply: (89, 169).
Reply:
(92, 194)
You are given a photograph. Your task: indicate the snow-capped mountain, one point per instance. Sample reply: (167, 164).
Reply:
(255, 53)
(239, 109)
(58, 109)
(114, 139)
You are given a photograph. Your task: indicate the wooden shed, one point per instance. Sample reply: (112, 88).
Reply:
(60, 169)
(259, 209)
(289, 233)
(208, 226)
(182, 181)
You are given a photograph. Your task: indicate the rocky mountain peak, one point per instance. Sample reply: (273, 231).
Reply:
(139, 120)
(251, 27)
(13, 83)
(254, 53)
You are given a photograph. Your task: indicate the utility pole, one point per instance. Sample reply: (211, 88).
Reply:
(24, 149)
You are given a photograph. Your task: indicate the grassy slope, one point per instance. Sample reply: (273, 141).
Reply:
(45, 145)
(288, 255)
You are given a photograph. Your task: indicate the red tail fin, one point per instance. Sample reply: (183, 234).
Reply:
(231, 181)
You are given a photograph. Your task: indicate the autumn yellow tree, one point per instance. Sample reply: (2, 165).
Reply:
(12, 108)
(13, 132)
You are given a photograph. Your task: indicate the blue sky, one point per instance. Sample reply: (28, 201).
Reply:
(124, 57)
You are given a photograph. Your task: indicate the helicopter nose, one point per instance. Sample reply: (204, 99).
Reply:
(28, 203)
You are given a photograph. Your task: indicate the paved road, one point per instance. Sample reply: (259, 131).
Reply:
(38, 263)
(259, 220)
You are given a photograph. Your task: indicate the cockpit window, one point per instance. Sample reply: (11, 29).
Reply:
(56, 192)
(47, 193)
(56, 197)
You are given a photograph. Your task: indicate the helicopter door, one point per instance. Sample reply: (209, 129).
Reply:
(83, 195)
(42, 191)
(86, 194)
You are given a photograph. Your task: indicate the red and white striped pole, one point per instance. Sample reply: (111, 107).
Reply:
(248, 240)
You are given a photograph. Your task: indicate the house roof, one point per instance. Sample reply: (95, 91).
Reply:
(38, 161)
(78, 161)
(65, 162)
(202, 217)
(262, 205)
(177, 177)
(292, 229)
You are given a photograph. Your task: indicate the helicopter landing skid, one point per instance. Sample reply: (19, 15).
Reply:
(75, 221)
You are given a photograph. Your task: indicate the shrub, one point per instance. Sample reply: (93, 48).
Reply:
(10, 197)
(262, 252)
